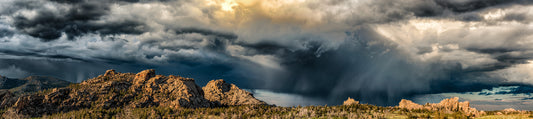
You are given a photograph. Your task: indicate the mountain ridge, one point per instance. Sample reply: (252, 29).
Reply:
(128, 90)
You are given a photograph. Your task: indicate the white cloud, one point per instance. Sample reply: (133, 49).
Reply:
(521, 73)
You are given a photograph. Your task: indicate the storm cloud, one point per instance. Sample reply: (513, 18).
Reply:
(377, 51)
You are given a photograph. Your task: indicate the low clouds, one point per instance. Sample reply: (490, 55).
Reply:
(14, 72)
(377, 51)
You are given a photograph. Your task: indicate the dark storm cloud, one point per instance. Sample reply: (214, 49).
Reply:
(472, 5)
(531, 98)
(372, 74)
(6, 33)
(207, 32)
(66, 70)
(518, 90)
(80, 1)
(75, 71)
(77, 19)
(80, 15)
(218, 40)
(503, 56)
(512, 89)
(37, 54)
(493, 50)
(461, 9)
(266, 48)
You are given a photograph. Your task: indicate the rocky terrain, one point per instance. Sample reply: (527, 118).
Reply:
(147, 95)
(447, 105)
(11, 88)
(128, 90)
(228, 94)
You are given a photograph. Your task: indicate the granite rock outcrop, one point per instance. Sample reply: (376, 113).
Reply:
(447, 105)
(128, 90)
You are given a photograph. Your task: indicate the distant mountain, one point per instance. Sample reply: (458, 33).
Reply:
(31, 84)
(8, 83)
(127, 90)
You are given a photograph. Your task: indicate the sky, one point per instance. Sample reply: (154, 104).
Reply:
(375, 51)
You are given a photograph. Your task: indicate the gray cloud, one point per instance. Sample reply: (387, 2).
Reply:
(73, 17)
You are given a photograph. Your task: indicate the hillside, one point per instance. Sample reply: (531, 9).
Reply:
(8, 83)
(127, 90)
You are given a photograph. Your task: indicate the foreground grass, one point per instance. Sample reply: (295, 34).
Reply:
(263, 111)
(260, 111)
(512, 116)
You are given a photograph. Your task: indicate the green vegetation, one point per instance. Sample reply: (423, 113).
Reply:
(259, 111)
(264, 111)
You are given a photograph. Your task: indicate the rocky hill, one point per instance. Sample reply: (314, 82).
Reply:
(447, 105)
(128, 90)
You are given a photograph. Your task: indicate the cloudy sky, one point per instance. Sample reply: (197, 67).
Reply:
(376, 51)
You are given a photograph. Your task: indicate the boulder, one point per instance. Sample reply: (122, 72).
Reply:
(219, 91)
(110, 72)
(447, 105)
(145, 75)
(408, 104)
(350, 101)
(513, 111)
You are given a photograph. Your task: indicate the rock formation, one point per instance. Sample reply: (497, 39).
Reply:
(350, 101)
(127, 90)
(513, 111)
(408, 104)
(228, 94)
(446, 105)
